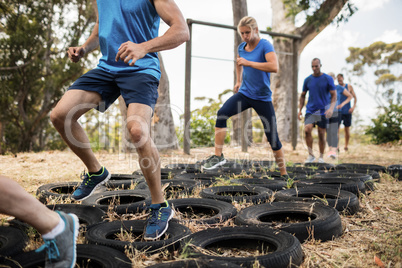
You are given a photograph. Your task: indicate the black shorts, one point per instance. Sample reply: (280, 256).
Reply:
(316, 119)
(346, 119)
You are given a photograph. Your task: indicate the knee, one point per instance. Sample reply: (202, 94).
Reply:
(57, 118)
(307, 130)
(138, 134)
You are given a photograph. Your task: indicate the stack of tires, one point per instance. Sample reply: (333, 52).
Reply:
(242, 207)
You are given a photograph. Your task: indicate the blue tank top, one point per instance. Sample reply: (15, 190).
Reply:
(319, 98)
(121, 21)
(345, 109)
(256, 83)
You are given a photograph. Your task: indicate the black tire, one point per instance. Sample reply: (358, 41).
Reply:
(12, 241)
(276, 175)
(87, 215)
(125, 198)
(169, 173)
(123, 181)
(196, 263)
(284, 249)
(106, 233)
(395, 171)
(320, 166)
(366, 167)
(90, 256)
(274, 185)
(340, 200)
(56, 191)
(355, 186)
(189, 168)
(365, 178)
(230, 171)
(175, 187)
(243, 193)
(314, 219)
(263, 164)
(215, 211)
(205, 179)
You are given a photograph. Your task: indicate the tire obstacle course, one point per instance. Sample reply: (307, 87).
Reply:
(277, 218)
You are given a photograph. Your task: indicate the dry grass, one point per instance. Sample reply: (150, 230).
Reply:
(372, 238)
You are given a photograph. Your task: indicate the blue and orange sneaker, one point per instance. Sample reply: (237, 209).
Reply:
(158, 221)
(89, 184)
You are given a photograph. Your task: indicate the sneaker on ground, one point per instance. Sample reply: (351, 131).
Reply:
(321, 160)
(61, 251)
(310, 159)
(214, 161)
(89, 184)
(158, 221)
(332, 154)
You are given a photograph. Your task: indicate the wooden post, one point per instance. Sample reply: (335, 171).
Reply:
(187, 94)
(295, 95)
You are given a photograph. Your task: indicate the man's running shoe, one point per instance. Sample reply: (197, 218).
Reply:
(158, 221)
(61, 251)
(213, 162)
(310, 159)
(89, 184)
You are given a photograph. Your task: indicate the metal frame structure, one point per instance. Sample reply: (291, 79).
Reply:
(187, 94)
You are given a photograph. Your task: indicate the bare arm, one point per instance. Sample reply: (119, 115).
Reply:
(270, 66)
(301, 104)
(330, 111)
(76, 53)
(239, 70)
(348, 98)
(177, 34)
(352, 92)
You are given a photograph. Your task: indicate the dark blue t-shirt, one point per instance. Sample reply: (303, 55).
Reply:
(256, 83)
(319, 98)
(345, 109)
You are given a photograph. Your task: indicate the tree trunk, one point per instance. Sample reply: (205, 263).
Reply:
(239, 8)
(163, 129)
(282, 82)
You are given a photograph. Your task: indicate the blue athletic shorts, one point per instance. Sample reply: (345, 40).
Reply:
(346, 119)
(316, 119)
(134, 87)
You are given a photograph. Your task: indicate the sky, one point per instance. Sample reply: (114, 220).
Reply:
(375, 20)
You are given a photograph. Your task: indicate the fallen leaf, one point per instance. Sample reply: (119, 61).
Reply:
(379, 262)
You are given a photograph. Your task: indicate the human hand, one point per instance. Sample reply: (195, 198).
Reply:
(130, 51)
(299, 115)
(242, 61)
(236, 88)
(351, 110)
(328, 113)
(75, 53)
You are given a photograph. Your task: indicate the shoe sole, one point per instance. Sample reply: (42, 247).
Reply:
(163, 231)
(76, 227)
(99, 184)
(216, 165)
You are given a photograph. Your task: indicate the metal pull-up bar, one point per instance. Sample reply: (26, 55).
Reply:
(187, 94)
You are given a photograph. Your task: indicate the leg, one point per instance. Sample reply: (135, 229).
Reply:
(280, 161)
(139, 126)
(347, 137)
(308, 129)
(321, 140)
(234, 105)
(65, 117)
(15, 201)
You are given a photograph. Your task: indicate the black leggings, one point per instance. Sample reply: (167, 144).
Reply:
(265, 110)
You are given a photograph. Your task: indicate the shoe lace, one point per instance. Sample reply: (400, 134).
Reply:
(51, 249)
(154, 216)
(86, 180)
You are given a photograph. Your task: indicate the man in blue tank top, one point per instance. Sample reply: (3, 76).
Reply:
(127, 33)
(320, 106)
(347, 110)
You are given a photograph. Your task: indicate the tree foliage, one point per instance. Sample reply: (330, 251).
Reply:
(377, 66)
(34, 68)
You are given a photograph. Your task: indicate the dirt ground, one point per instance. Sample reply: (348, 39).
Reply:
(372, 237)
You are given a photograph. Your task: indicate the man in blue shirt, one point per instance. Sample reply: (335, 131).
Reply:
(320, 106)
(127, 33)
